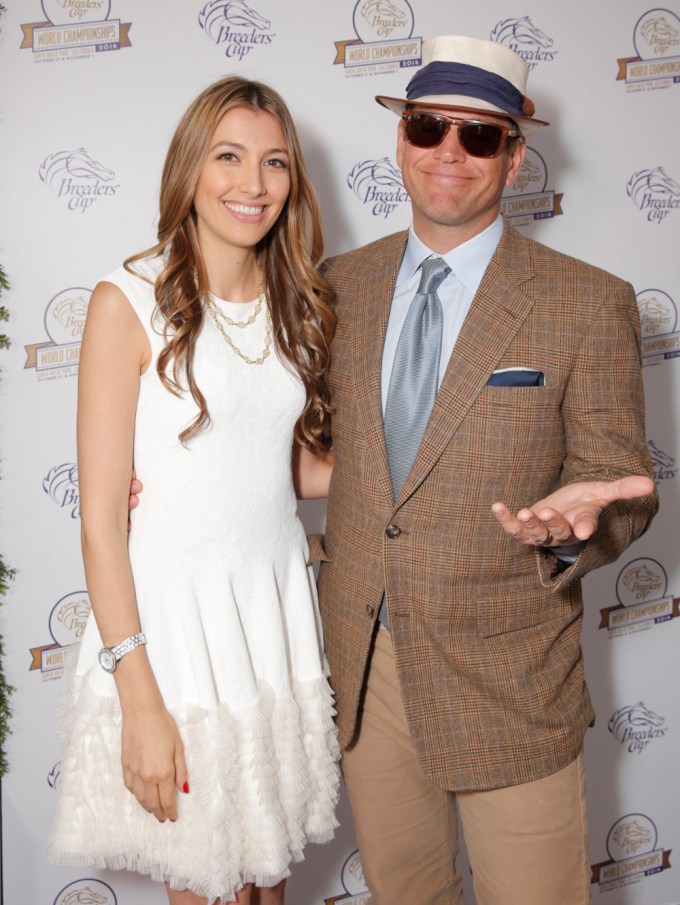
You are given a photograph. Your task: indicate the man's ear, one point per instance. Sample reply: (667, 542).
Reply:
(400, 142)
(516, 160)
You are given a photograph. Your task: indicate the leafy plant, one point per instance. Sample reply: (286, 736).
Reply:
(6, 576)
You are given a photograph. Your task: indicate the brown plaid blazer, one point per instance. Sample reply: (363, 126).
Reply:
(485, 631)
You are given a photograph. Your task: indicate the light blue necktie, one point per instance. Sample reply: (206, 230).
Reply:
(415, 373)
(415, 379)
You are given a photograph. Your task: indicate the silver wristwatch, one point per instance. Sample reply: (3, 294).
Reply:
(109, 656)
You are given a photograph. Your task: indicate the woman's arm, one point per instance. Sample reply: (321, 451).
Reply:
(311, 473)
(115, 351)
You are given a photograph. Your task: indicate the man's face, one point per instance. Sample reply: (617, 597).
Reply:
(454, 195)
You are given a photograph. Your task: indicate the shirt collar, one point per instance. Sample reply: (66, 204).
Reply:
(468, 261)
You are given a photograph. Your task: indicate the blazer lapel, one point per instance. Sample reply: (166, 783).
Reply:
(376, 284)
(497, 312)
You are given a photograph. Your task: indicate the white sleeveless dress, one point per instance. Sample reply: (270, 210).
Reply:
(229, 608)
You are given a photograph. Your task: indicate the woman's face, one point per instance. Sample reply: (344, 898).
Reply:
(245, 181)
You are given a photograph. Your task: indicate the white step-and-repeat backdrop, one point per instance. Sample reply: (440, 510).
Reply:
(90, 93)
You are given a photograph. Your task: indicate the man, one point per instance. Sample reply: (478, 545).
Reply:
(512, 378)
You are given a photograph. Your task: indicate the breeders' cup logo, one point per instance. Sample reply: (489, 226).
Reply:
(378, 184)
(382, 19)
(353, 882)
(87, 891)
(526, 39)
(235, 26)
(528, 198)
(67, 622)
(663, 463)
(654, 192)
(659, 326)
(656, 38)
(61, 485)
(384, 39)
(632, 846)
(79, 178)
(644, 601)
(64, 322)
(635, 726)
(75, 29)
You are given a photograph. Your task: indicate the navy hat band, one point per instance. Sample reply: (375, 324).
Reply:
(441, 78)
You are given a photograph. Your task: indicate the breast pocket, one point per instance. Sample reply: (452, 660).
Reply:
(514, 424)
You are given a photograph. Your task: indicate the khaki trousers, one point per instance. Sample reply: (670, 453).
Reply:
(527, 844)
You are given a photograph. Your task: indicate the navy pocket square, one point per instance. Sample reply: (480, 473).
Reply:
(516, 377)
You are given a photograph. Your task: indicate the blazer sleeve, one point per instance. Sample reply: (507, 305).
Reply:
(604, 424)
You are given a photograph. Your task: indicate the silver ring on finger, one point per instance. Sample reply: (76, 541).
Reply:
(547, 540)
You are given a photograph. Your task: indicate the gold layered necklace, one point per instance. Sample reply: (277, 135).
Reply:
(219, 316)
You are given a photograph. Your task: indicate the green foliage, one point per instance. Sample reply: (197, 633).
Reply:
(6, 576)
(4, 313)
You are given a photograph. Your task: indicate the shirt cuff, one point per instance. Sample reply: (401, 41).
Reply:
(569, 552)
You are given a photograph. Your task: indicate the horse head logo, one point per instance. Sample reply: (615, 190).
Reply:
(374, 173)
(631, 836)
(383, 10)
(659, 457)
(217, 15)
(636, 715)
(641, 581)
(70, 313)
(85, 895)
(656, 182)
(655, 315)
(520, 31)
(73, 616)
(61, 485)
(659, 34)
(76, 163)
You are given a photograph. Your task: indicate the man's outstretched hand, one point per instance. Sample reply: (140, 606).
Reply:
(570, 514)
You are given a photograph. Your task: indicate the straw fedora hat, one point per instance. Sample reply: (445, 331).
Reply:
(472, 75)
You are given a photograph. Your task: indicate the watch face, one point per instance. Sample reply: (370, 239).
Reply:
(107, 659)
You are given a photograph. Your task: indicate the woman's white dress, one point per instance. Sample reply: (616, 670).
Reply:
(228, 605)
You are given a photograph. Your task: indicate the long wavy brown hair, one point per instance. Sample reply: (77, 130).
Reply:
(299, 298)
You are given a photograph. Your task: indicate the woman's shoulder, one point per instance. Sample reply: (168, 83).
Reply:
(139, 275)
(136, 281)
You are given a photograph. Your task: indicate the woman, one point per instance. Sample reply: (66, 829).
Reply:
(203, 364)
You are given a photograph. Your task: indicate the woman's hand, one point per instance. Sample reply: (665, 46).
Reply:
(154, 768)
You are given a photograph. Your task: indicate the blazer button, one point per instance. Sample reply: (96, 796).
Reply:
(370, 610)
(393, 531)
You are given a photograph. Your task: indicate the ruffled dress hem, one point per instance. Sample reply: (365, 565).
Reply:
(263, 783)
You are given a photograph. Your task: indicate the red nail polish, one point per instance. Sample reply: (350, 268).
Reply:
(185, 788)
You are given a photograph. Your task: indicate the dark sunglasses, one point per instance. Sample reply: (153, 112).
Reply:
(478, 139)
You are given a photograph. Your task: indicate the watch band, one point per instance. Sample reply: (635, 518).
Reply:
(109, 656)
(119, 650)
